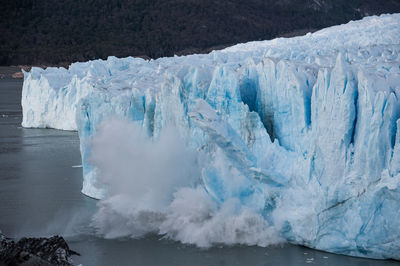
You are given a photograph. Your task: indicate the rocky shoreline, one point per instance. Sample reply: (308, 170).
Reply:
(35, 251)
(14, 72)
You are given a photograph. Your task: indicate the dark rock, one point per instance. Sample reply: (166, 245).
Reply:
(35, 251)
(18, 75)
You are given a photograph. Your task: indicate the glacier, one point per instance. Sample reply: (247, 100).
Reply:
(293, 139)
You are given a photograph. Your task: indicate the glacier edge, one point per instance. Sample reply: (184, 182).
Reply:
(308, 126)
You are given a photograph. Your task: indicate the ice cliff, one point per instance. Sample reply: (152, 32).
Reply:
(293, 139)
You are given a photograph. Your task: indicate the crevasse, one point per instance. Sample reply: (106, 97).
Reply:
(302, 133)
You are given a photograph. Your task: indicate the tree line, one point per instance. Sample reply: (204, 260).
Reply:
(63, 31)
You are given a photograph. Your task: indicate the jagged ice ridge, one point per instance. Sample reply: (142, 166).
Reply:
(293, 139)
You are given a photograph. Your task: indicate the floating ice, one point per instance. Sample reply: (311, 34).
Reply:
(294, 139)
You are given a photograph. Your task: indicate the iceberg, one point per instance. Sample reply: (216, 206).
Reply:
(293, 139)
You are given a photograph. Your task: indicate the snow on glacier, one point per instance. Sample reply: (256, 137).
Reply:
(293, 139)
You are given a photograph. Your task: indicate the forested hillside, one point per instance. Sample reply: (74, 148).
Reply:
(63, 31)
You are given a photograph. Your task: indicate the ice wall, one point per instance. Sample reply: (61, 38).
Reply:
(302, 134)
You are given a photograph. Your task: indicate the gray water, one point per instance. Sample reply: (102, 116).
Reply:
(40, 196)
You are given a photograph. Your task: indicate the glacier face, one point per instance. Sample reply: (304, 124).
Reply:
(291, 139)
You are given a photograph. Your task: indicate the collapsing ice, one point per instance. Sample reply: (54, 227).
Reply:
(285, 140)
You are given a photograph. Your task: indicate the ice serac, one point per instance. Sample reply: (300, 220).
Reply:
(296, 139)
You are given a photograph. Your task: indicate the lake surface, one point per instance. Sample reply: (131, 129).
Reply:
(40, 183)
